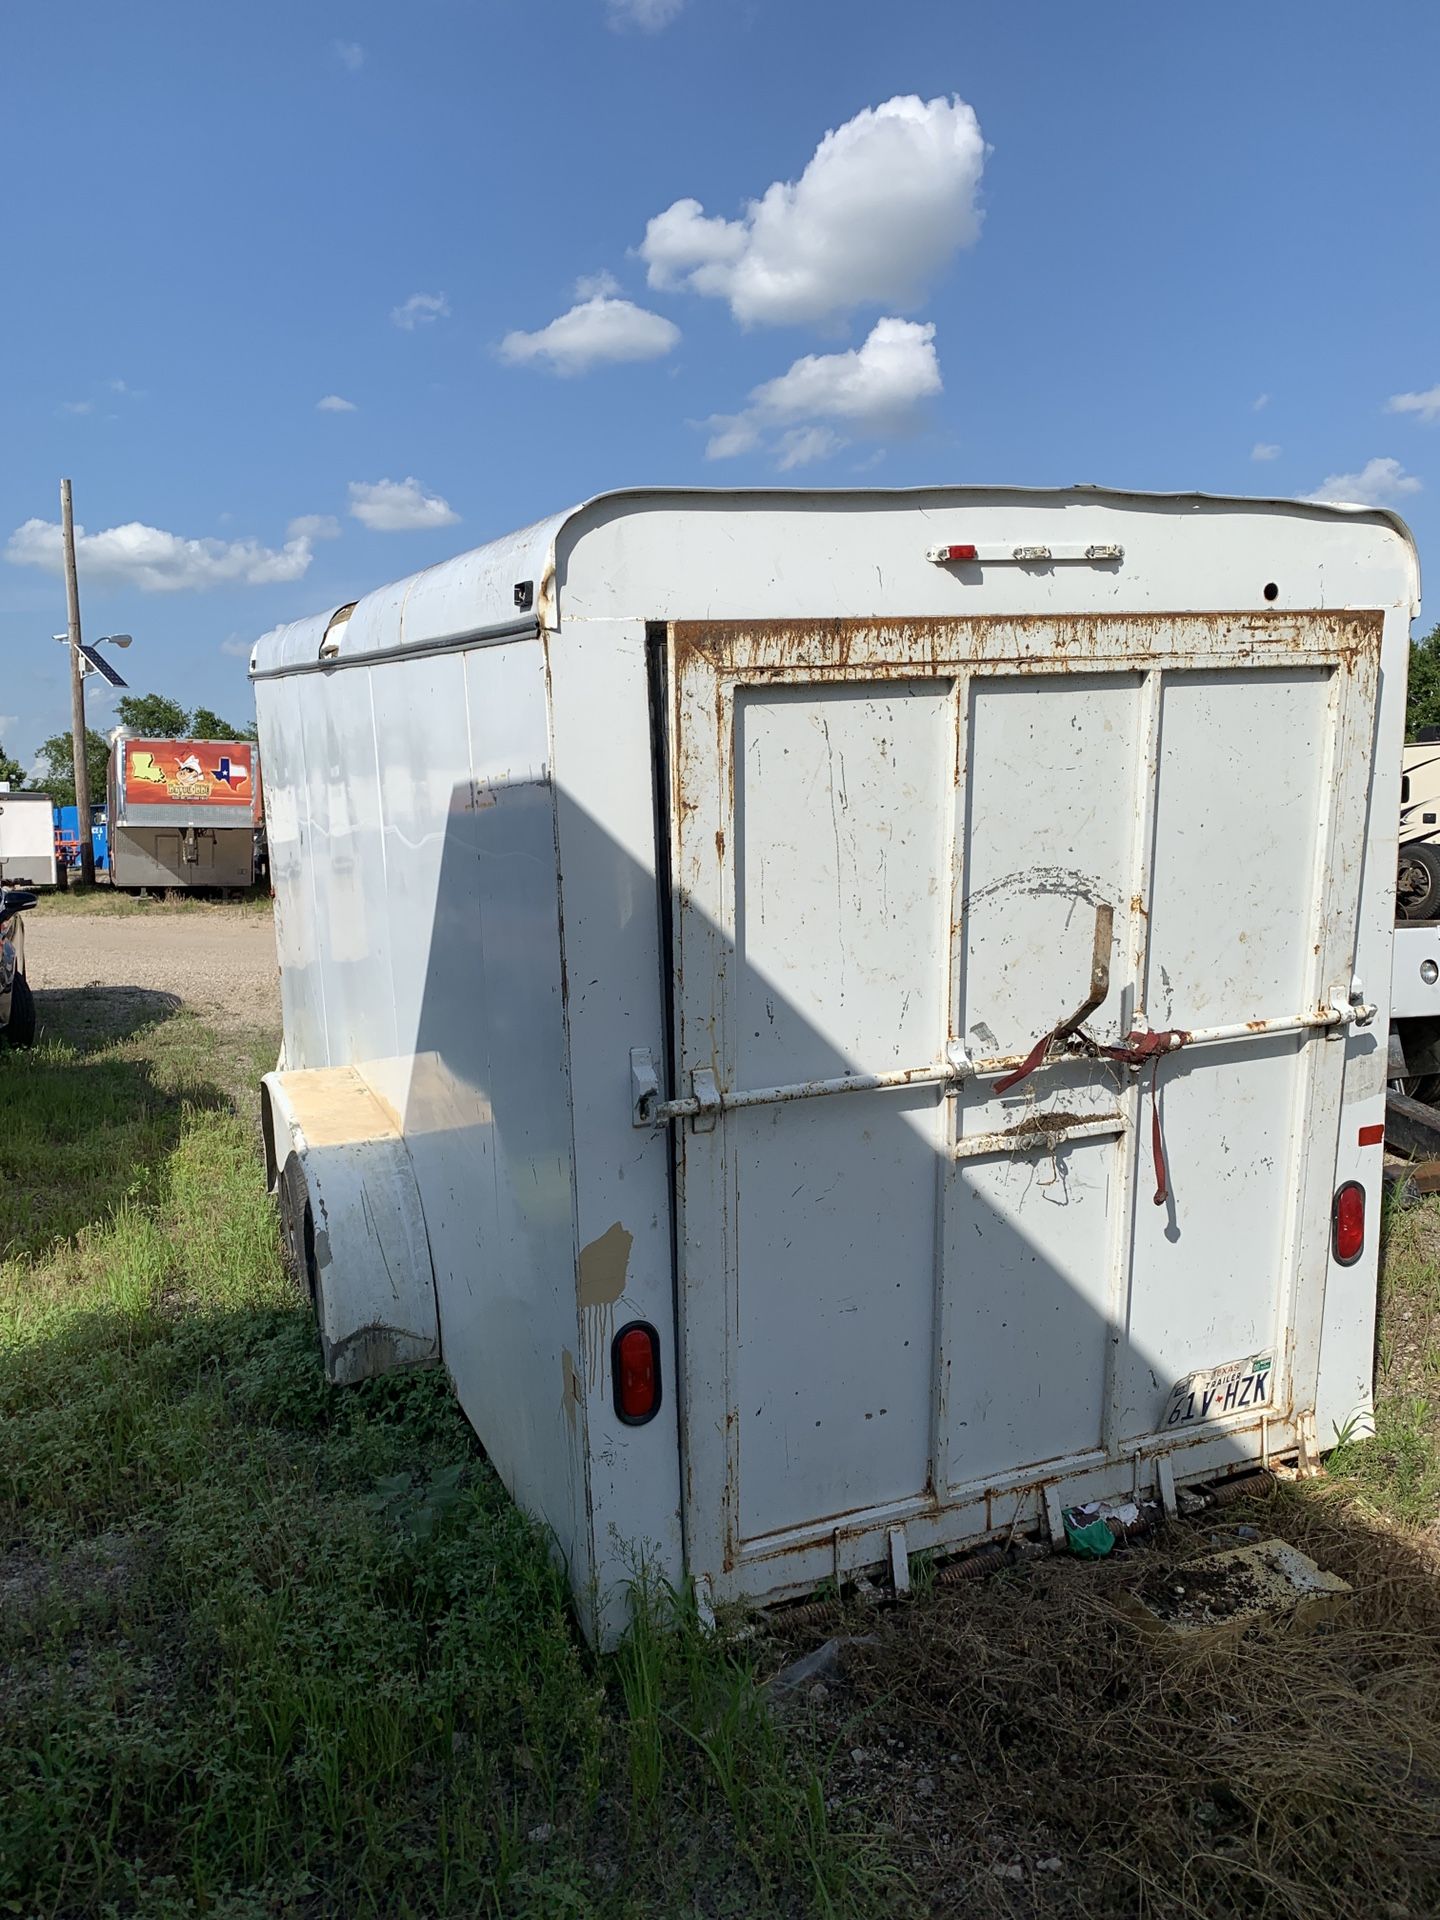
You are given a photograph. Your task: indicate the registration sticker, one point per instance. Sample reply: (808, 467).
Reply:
(1239, 1387)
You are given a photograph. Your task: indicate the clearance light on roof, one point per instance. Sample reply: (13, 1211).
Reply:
(1098, 553)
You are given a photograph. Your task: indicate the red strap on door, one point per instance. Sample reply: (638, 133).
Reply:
(1153, 1046)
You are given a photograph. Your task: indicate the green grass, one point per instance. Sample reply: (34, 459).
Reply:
(1397, 1473)
(271, 1649)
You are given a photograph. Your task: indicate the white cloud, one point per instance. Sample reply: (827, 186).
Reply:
(398, 506)
(876, 390)
(594, 332)
(885, 202)
(420, 310)
(801, 445)
(77, 406)
(349, 53)
(1376, 484)
(648, 15)
(1426, 405)
(1264, 450)
(314, 526)
(157, 562)
(119, 386)
(237, 646)
(596, 286)
(332, 403)
(1259, 403)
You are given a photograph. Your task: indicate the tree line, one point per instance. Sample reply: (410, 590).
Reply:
(151, 715)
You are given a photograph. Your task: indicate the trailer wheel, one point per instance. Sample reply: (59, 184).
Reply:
(297, 1228)
(1417, 882)
(20, 1027)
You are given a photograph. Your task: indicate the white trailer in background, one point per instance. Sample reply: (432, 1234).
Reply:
(830, 1015)
(27, 839)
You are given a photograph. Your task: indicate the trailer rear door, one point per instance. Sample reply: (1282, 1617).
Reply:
(907, 852)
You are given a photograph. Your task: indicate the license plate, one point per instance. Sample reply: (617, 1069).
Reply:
(1242, 1386)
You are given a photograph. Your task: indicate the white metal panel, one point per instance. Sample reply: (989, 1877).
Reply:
(841, 918)
(1051, 833)
(292, 874)
(623, 1267)
(1235, 911)
(478, 1075)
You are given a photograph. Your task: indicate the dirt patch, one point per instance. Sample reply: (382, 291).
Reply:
(93, 1574)
(221, 963)
(1033, 1750)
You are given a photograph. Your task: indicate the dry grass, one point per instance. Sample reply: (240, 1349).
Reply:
(1033, 1751)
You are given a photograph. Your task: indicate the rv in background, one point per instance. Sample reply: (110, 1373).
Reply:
(1418, 880)
(183, 813)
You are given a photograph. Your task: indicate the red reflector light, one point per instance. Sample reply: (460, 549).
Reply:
(1348, 1223)
(1371, 1136)
(966, 552)
(635, 1367)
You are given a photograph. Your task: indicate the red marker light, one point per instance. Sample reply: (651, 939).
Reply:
(1347, 1223)
(635, 1368)
(1371, 1136)
(965, 552)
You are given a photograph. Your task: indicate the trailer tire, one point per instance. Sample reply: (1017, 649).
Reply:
(1417, 884)
(297, 1227)
(20, 1027)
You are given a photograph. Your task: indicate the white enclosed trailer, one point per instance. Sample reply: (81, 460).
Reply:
(27, 839)
(868, 952)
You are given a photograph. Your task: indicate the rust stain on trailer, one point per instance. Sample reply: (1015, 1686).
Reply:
(1031, 643)
(603, 1266)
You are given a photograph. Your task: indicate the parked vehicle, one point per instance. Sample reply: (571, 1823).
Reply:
(785, 996)
(1418, 876)
(27, 839)
(182, 813)
(17, 1003)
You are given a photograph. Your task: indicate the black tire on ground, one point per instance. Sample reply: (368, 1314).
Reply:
(20, 1027)
(297, 1227)
(1417, 894)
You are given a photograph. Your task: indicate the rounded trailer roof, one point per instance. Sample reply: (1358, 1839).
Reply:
(479, 594)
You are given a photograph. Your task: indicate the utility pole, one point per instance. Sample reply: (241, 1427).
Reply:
(77, 693)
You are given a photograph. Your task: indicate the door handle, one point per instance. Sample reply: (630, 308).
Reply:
(1099, 987)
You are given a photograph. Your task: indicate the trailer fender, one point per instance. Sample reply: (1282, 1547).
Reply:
(337, 1163)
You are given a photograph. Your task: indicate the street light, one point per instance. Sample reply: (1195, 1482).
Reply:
(90, 661)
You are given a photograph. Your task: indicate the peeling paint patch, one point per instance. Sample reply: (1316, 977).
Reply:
(603, 1266)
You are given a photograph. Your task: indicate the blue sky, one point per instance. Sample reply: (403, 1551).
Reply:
(1138, 244)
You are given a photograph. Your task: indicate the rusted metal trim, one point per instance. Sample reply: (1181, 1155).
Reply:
(1041, 642)
(951, 1074)
(1038, 1138)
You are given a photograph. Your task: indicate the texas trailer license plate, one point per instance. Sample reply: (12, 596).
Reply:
(1240, 1387)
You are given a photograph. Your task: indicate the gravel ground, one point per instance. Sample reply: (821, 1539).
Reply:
(220, 964)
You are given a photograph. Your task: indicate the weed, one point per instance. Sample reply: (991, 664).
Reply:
(271, 1648)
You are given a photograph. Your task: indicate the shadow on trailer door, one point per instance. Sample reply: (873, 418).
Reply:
(900, 1307)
